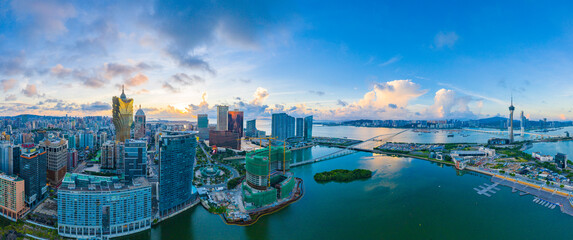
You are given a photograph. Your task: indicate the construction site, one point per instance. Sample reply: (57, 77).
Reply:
(268, 187)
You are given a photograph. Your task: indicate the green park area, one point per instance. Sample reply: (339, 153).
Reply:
(342, 175)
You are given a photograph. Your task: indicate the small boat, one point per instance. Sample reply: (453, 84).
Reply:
(451, 135)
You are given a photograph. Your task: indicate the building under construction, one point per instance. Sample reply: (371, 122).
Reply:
(267, 179)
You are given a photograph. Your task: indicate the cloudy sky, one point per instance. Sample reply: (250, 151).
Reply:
(375, 60)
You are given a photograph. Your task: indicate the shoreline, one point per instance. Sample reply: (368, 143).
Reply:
(255, 216)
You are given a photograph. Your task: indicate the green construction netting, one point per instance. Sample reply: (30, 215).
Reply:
(287, 187)
(259, 198)
(257, 161)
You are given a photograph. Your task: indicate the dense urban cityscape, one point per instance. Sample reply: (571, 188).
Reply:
(285, 119)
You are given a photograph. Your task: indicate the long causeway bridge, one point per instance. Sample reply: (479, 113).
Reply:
(539, 135)
(366, 145)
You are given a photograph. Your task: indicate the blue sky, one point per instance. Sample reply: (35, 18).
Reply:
(335, 60)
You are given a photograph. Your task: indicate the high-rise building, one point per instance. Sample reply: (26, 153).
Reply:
(108, 155)
(236, 122)
(16, 159)
(202, 121)
(308, 128)
(72, 159)
(225, 139)
(135, 159)
(561, 160)
(71, 141)
(6, 158)
(96, 207)
(511, 109)
(139, 126)
(33, 170)
(12, 194)
(56, 159)
(283, 126)
(112, 156)
(222, 118)
(251, 128)
(203, 126)
(176, 158)
(299, 127)
(122, 116)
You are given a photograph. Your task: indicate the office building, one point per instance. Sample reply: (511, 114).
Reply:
(12, 194)
(176, 158)
(139, 125)
(222, 118)
(72, 159)
(251, 129)
(235, 119)
(225, 139)
(299, 127)
(122, 116)
(6, 157)
(283, 126)
(33, 170)
(95, 207)
(135, 159)
(561, 160)
(56, 159)
(203, 126)
(308, 128)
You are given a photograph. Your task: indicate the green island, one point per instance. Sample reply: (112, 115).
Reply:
(342, 175)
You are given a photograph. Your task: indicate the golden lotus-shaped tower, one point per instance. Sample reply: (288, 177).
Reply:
(122, 116)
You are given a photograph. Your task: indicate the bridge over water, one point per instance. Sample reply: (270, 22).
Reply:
(539, 135)
(366, 145)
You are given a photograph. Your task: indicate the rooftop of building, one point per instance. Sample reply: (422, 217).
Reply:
(173, 134)
(139, 112)
(12, 178)
(53, 141)
(92, 183)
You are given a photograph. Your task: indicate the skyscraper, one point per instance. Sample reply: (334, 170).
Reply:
(299, 127)
(511, 109)
(108, 155)
(135, 159)
(203, 126)
(122, 116)
(56, 159)
(251, 128)
(236, 122)
(139, 128)
(33, 171)
(222, 118)
(6, 158)
(308, 128)
(176, 159)
(283, 126)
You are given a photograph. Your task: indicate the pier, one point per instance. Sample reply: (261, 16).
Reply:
(547, 196)
(487, 189)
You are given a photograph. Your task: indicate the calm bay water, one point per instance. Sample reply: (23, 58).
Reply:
(405, 199)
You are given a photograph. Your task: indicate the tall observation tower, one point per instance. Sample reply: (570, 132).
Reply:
(511, 109)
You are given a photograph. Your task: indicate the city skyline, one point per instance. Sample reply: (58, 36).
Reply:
(394, 62)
